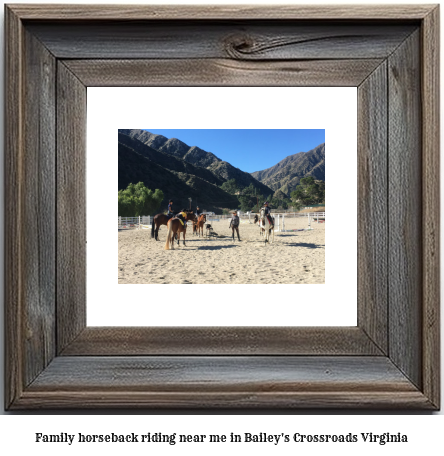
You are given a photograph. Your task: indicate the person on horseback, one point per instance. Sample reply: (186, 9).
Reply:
(182, 216)
(234, 225)
(267, 212)
(170, 209)
(197, 211)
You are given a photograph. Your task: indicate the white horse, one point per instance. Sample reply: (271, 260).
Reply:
(266, 226)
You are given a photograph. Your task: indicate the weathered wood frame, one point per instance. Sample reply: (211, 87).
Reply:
(390, 360)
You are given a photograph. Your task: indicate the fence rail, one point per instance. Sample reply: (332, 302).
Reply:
(141, 222)
(144, 221)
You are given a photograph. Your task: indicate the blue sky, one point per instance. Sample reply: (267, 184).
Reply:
(249, 150)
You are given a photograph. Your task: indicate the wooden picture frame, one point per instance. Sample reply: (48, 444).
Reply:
(390, 360)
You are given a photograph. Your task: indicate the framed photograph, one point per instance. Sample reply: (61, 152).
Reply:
(288, 271)
(389, 359)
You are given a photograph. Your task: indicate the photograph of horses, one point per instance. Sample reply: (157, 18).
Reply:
(221, 206)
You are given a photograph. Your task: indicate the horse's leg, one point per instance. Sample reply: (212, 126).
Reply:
(183, 234)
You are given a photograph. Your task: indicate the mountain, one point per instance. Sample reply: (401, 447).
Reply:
(177, 178)
(169, 162)
(285, 175)
(197, 157)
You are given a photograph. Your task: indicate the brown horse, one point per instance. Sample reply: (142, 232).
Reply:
(199, 224)
(158, 220)
(175, 227)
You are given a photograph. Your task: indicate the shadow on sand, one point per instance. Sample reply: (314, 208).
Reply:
(286, 235)
(216, 247)
(303, 244)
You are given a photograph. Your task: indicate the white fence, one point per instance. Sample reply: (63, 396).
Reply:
(279, 219)
(143, 222)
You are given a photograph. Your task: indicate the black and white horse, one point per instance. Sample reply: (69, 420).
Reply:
(266, 226)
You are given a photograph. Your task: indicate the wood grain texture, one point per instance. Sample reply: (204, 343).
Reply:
(235, 40)
(39, 207)
(220, 12)
(430, 93)
(13, 209)
(233, 382)
(219, 72)
(372, 207)
(89, 374)
(71, 206)
(405, 209)
(126, 341)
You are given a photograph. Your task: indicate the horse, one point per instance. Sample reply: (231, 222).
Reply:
(256, 219)
(266, 226)
(158, 220)
(175, 227)
(199, 224)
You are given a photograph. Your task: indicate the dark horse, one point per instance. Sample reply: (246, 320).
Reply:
(175, 227)
(158, 220)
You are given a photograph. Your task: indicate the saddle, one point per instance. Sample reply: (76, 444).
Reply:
(180, 220)
(270, 221)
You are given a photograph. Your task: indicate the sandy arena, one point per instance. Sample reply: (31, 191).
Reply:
(294, 257)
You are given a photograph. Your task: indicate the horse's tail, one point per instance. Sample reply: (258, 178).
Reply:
(152, 228)
(169, 235)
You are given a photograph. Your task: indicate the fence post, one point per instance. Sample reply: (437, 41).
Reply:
(120, 221)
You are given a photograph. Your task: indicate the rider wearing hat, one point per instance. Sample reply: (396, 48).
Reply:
(267, 212)
(182, 215)
(197, 211)
(234, 224)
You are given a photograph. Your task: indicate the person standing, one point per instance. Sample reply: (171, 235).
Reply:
(234, 225)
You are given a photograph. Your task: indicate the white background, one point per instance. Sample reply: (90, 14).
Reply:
(331, 304)
(16, 432)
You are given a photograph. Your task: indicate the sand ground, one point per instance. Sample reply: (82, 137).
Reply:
(293, 257)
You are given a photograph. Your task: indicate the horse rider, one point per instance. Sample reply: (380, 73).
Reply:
(197, 212)
(182, 216)
(234, 225)
(170, 209)
(267, 212)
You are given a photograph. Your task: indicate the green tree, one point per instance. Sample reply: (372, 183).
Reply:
(137, 200)
(249, 197)
(246, 201)
(230, 186)
(309, 191)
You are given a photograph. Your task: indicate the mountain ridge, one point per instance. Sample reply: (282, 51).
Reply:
(198, 157)
(175, 184)
(287, 173)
